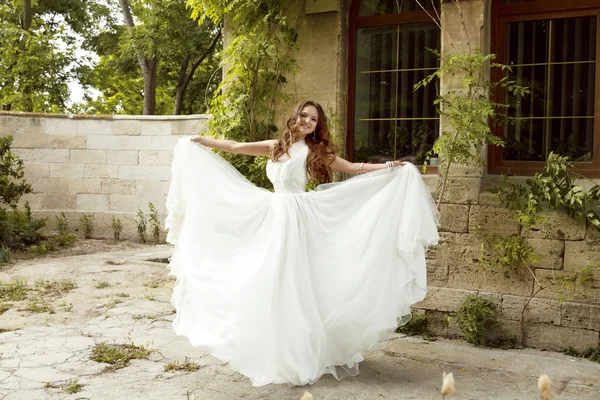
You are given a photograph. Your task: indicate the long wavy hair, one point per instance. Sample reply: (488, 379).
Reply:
(321, 149)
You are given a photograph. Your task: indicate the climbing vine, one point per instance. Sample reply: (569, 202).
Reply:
(558, 188)
(258, 58)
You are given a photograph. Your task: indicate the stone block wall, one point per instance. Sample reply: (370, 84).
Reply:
(101, 165)
(556, 317)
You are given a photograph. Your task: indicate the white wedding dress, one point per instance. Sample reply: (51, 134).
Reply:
(290, 285)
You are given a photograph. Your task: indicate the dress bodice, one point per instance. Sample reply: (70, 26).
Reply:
(288, 175)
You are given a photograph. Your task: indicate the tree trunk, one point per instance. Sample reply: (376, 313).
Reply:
(147, 65)
(27, 15)
(150, 86)
(180, 89)
(185, 79)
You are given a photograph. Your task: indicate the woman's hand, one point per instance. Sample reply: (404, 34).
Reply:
(198, 139)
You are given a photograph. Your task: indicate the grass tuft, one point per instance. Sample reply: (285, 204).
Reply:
(102, 285)
(72, 387)
(55, 288)
(118, 355)
(186, 365)
(154, 283)
(14, 290)
(143, 316)
(113, 303)
(38, 305)
(591, 353)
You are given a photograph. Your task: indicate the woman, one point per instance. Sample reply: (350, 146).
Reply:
(287, 286)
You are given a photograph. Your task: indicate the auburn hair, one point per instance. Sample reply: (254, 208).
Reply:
(321, 149)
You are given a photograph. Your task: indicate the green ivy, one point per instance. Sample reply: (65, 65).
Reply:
(468, 108)
(256, 61)
(475, 317)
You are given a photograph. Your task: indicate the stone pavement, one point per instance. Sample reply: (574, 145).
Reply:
(122, 298)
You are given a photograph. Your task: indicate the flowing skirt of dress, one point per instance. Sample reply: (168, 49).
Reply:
(287, 287)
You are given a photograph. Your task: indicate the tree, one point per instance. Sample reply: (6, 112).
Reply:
(37, 51)
(168, 46)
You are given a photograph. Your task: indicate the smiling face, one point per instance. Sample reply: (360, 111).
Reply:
(307, 121)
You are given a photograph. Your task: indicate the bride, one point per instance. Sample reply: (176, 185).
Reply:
(290, 285)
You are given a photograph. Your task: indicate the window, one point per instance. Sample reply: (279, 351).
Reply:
(389, 42)
(552, 47)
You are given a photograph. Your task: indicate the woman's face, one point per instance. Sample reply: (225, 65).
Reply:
(308, 118)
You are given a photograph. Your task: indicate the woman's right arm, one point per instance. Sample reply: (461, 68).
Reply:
(263, 148)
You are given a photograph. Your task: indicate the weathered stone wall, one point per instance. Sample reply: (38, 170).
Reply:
(322, 74)
(101, 165)
(563, 245)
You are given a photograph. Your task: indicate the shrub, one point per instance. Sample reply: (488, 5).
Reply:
(18, 229)
(62, 224)
(154, 222)
(118, 355)
(87, 224)
(417, 325)
(117, 227)
(12, 184)
(474, 317)
(142, 225)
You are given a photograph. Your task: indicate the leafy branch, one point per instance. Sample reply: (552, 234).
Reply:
(468, 109)
(556, 187)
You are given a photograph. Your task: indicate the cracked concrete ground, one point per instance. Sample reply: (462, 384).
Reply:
(41, 353)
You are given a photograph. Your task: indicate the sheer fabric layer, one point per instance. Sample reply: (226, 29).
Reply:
(290, 285)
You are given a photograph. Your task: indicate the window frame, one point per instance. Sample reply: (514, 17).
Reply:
(356, 22)
(501, 15)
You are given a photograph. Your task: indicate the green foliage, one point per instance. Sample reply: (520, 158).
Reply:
(176, 50)
(12, 184)
(117, 227)
(37, 61)
(87, 223)
(258, 59)
(19, 230)
(118, 355)
(506, 253)
(64, 238)
(475, 316)
(41, 249)
(468, 108)
(154, 223)
(5, 255)
(62, 224)
(311, 185)
(142, 225)
(417, 325)
(591, 353)
(38, 305)
(557, 187)
(186, 366)
(567, 283)
(73, 387)
(14, 290)
(55, 288)
(102, 285)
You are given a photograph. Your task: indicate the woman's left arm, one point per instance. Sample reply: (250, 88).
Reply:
(344, 166)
